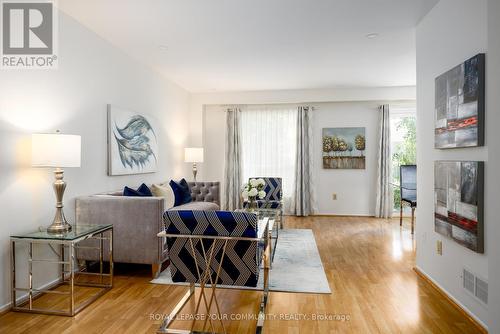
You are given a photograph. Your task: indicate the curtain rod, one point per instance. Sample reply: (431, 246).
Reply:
(263, 104)
(394, 102)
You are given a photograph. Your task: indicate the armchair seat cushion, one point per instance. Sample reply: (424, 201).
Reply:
(412, 200)
(203, 206)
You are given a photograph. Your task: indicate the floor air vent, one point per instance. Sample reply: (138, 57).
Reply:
(475, 286)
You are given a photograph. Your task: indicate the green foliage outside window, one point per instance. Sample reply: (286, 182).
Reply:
(405, 153)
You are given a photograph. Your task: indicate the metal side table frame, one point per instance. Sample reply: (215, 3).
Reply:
(69, 240)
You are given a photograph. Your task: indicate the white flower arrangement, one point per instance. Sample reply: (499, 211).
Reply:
(253, 189)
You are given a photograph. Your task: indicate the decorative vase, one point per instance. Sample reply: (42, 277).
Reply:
(252, 204)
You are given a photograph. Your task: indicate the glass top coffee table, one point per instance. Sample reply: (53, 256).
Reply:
(271, 214)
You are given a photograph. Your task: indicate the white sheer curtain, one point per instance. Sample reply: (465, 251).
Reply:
(269, 144)
(384, 195)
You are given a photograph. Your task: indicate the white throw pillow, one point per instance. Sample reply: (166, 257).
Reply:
(165, 191)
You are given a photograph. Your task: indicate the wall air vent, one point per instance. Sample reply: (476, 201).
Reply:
(468, 281)
(475, 285)
(481, 290)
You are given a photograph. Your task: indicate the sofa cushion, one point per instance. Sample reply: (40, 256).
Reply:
(199, 206)
(165, 191)
(142, 191)
(181, 192)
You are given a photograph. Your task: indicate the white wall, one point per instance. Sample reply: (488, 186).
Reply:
(451, 33)
(355, 189)
(73, 99)
(493, 189)
(198, 101)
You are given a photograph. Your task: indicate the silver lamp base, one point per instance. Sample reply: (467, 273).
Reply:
(59, 228)
(59, 224)
(195, 171)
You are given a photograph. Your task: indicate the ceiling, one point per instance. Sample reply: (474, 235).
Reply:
(228, 45)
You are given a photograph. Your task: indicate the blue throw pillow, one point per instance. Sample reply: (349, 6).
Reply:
(142, 191)
(181, 191)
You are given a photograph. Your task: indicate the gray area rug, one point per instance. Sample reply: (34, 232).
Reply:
(297, 266)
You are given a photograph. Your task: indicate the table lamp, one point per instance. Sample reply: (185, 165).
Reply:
(194, 155)
(58, 151)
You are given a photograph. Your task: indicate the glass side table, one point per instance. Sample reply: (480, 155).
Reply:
(68, 244)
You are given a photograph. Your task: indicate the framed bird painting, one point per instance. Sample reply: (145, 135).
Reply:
(132, 142)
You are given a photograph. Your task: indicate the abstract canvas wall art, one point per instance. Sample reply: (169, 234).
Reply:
(459, 105)
(458, 202)
(343, 148)
(132, 142)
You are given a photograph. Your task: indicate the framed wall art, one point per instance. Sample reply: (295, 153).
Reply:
(132, 142)
(458, 202)
(344, 148)
(460, 105)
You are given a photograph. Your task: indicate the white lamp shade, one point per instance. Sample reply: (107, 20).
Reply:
(55, 150)
(193, 154)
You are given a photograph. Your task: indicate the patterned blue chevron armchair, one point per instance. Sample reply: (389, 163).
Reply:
(274, 196)
(209, 248)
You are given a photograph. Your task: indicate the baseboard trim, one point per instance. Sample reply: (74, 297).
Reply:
(5, 309)
(354, 215)
(461, 308)
(334, 215)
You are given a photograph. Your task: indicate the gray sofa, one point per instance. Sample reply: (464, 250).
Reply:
(136, 222)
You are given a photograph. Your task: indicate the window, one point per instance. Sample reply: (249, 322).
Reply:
(403, 143)
(269, 144)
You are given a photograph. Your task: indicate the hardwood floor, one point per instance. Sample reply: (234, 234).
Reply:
(368, 263)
